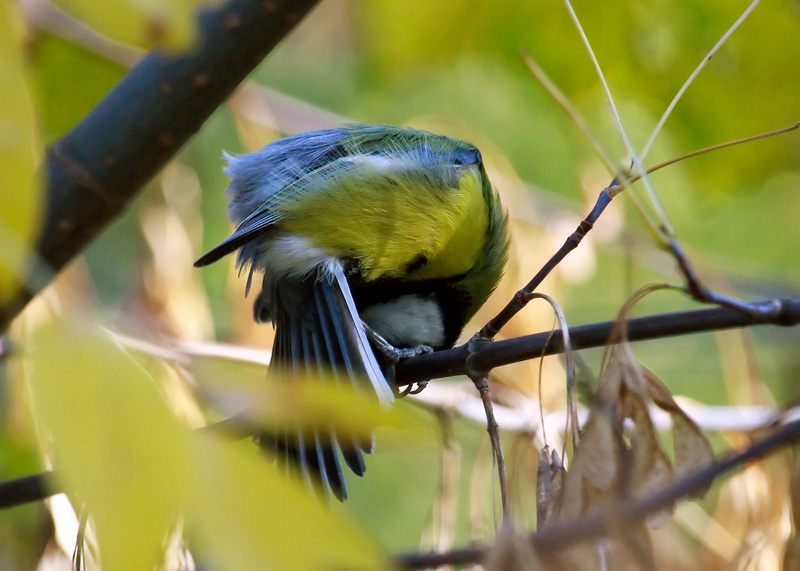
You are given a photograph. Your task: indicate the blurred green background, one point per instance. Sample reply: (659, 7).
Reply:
(454, 67)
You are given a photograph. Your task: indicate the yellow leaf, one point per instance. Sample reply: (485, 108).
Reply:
(252, 517)
(692, 447)
(303, 403)
(117, 447)
(115, 444)
(19, 192)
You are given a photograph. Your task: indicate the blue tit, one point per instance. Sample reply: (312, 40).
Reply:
(363, 234)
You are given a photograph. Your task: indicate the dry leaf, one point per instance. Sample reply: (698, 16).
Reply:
(650, 468)
(791, 557)
(549, 486)
(692, 447)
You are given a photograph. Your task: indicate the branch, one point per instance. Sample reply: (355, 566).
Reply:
(95, 169)
(595, 525)
(489, 355)
(27, 489)
(785, 312)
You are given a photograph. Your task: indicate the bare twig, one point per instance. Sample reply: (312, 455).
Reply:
(609, 98)
(568, 108)
(698, 69)
(522, 297)
(572, 397)
(27, 489)
(482, 384)
(452, 362)
(705, 150)
(45, 15)
(489, 355)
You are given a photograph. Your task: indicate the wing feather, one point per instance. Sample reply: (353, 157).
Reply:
(328, 340)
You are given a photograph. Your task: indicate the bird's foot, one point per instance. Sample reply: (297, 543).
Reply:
(394, 355)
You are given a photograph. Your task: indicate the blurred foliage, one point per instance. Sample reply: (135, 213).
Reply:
(137, 477)
(17, 156)
(143, 23)
(452, 67)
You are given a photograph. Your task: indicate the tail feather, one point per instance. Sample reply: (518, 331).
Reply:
(328, 343)
(327, 458)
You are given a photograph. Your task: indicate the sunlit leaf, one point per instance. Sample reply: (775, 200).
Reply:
(19, 192)
(119, 449)
(326, 404)
(252, 517)
(308, 404)
(115, 444)
(60, 101)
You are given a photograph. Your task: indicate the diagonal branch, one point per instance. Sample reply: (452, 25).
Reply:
(95, 169)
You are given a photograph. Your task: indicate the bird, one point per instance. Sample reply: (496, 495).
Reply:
(372, 242)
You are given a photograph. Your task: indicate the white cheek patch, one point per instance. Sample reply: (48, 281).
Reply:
(407, 321)
(292, 256)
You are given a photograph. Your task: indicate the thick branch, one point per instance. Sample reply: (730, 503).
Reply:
(94, 170)
(489, 355)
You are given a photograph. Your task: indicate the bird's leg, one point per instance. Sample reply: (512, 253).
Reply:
(396, 354)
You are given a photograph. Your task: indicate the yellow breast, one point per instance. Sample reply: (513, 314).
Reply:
(388, 222)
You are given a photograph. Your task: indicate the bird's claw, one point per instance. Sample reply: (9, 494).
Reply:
(392, 353)
(410, 390)
(396, 354)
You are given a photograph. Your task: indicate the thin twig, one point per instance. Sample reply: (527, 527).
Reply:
(609, 98)
(637, 162)
(452, 362)
(572, 397)
(95, 169)
(702, 294)
(27, 489)
(522, 297)
(672, 161)
(568, 108)
(482, 384)
(688, 82)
